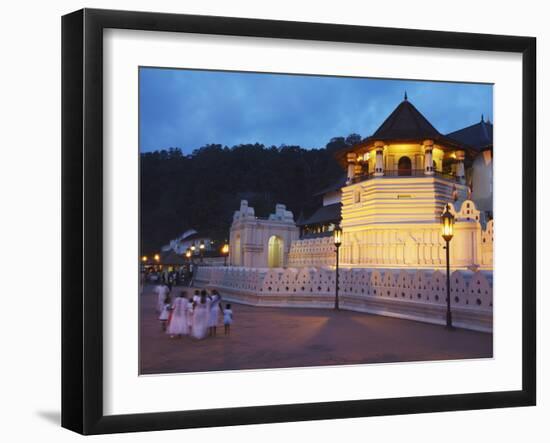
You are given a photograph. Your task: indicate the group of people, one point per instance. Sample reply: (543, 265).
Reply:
(197, 316)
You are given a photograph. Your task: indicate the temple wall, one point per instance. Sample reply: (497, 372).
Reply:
(312, 252)
(397, 200)
(415, 294)
(404, 245)
(487, 246)
(396, 223)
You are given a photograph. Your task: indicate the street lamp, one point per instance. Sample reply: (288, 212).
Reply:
(447, 225)
(144, 259)
(157, 258)
(188, 254)
(337, 243)
(201, 249)
(225, 252)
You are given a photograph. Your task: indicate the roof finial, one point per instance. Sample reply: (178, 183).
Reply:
(406, 96)
(482, 118)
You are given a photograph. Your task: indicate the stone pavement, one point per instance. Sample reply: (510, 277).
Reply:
(263, 337)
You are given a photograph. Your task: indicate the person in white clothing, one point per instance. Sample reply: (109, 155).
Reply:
(178, 325)
(196, 296)
(200, 317)
(165, 313)
(213, 314)
(190, 312)
(227, 319)
(162, 291)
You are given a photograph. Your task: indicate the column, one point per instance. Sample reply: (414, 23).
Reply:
(460, 175)
(379, 166)
(352, 159)
(428, 160)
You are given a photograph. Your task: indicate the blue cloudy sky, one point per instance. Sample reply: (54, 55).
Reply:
(189, 109)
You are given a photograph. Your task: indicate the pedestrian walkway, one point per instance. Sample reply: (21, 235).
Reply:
(263, 337)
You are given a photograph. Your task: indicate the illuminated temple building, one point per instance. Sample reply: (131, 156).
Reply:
(388, 202)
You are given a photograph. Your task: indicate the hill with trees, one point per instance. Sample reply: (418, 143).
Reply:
(203, 189)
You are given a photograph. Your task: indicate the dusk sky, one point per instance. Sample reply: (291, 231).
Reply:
(189, 109)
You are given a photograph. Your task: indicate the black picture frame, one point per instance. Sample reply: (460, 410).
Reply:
(82, 218)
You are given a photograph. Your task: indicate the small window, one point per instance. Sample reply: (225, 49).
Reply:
(357, 196)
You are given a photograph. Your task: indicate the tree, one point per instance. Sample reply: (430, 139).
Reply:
(201, 190)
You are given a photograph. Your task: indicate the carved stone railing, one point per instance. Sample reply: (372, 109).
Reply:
(411, 294)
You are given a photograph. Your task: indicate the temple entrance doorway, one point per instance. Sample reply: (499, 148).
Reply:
(275, 252)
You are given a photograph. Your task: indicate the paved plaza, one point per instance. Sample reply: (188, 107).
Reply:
(264, 337)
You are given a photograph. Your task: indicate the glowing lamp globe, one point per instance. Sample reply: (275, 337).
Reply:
(337, 236)
(447, 224)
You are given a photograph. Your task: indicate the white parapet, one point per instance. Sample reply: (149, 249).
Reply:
(416, 294)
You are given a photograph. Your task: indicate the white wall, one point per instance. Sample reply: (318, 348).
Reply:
(30, 183)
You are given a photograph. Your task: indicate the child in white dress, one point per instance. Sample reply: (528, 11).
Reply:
(162, 292)
(165, 313)
(227, 319)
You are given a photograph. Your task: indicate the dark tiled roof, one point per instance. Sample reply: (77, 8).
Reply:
(478, 136)
(325, 214)
(405, 122)
(334, 186)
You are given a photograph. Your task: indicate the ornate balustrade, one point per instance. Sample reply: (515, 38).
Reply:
(412, 294)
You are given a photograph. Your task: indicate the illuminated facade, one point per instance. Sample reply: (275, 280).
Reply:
(389, 203)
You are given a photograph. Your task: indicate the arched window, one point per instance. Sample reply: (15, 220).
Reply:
(275, 252)
(404, 166)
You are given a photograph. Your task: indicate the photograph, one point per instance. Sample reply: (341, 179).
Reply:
(303, 220)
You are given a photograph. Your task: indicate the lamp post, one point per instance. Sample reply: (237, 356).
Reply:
(225, 252)
(201, 249)
(337, 243)
(447, 225)
(188, 255)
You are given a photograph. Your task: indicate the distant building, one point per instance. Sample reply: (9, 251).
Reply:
(188, 239)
